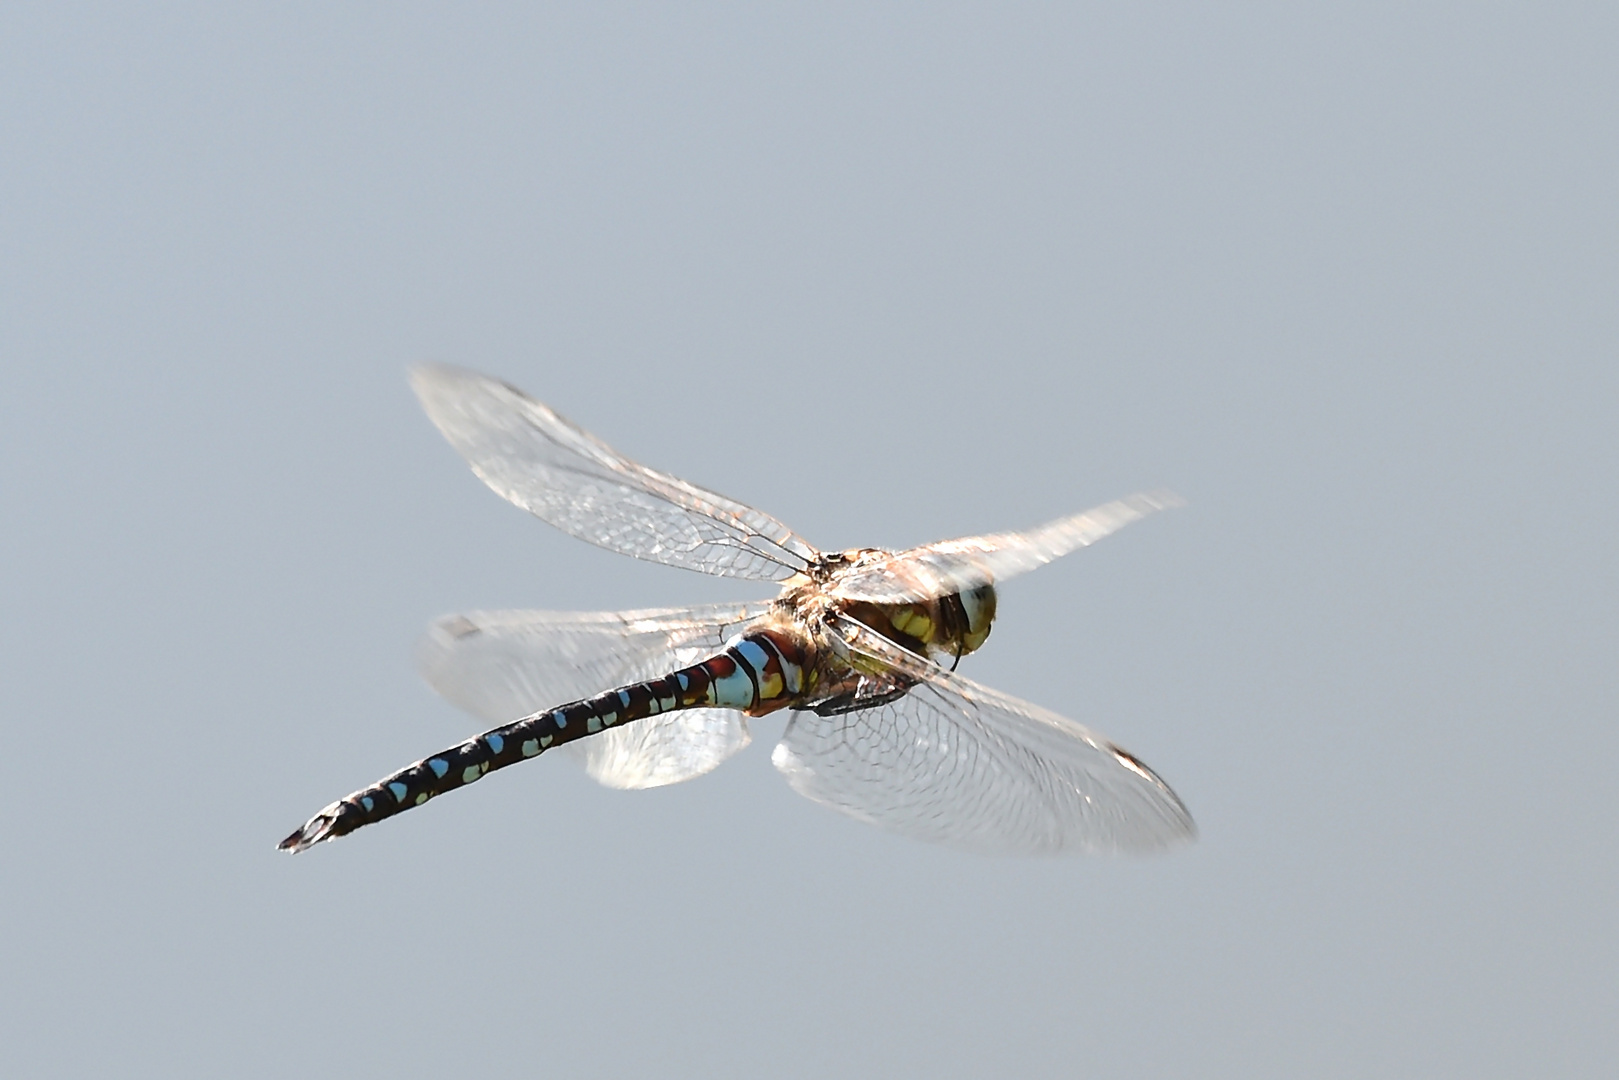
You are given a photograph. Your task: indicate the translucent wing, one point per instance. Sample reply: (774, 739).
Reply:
(954, 762)
(662, 750)
(564, 475)
(950, 566)
(501, 665)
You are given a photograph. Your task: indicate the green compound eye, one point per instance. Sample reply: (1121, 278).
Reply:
(979, 607)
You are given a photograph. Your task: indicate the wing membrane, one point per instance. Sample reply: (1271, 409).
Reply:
(501, 665)
(949, 566)
(661, 750)
(562, 474)
(954, 762)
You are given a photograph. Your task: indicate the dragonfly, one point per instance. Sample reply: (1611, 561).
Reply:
(860, 647)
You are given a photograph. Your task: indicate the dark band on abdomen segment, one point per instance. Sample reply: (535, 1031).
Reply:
(756, 674)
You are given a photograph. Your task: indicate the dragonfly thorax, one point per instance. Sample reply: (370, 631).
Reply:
(943, 628)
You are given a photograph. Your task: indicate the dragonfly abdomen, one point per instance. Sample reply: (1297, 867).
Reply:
(757, 673)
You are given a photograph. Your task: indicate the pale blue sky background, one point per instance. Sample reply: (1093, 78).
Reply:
(1344, 276)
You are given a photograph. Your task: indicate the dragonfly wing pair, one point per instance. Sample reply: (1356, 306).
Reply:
(947, 760)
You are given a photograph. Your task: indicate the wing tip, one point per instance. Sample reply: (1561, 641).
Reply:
(1181, 829)
(448, 388)
(432, 374)
(1155, 499)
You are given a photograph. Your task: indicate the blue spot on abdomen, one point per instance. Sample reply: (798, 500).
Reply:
(754, 654)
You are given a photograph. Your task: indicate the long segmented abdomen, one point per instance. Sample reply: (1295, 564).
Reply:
(757, 673)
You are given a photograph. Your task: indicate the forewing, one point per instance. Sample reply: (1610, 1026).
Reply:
(564, 475)
(957, 763)
(502, 665)
(951, 566)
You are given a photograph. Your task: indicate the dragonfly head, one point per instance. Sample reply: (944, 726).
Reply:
(946, 628)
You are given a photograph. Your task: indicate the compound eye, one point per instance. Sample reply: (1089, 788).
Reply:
(979, 607)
